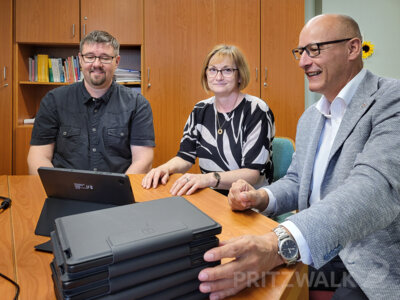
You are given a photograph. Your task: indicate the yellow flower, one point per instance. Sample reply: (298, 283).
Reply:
(367, 49)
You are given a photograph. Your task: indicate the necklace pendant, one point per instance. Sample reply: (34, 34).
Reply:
(220, 131)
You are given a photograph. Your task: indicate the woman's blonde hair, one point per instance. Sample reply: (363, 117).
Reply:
(238, 58)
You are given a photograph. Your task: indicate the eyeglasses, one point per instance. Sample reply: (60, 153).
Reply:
(314, 49)
(226, 72)
(90, 58)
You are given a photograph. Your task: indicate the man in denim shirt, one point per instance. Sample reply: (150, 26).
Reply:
(96, 124)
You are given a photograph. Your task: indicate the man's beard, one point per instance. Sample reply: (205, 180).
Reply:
(98, 80)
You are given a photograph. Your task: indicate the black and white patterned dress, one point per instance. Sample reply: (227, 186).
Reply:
(246, 140)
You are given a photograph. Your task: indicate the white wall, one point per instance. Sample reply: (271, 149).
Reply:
(379, 21)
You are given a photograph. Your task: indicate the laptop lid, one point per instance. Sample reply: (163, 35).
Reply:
(121, 233)
(84, 185)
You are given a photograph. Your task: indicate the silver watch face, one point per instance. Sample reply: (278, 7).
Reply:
(289, 249)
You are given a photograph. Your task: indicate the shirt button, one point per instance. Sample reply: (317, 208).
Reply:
(94, 149)
(121, 134)
(94, 169)
(94, 129)
(95, 110)
(64, 133)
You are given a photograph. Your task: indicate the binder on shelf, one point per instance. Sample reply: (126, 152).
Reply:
(30, 61)
(51, 78)
(61, 69)
(43, 68)
(35, 61)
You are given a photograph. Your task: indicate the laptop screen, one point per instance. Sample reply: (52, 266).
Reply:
(83, 185)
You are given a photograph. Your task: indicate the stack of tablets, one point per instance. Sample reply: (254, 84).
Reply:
(148, 250)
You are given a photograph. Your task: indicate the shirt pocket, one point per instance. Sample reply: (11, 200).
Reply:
(117, 141)
(69, 140)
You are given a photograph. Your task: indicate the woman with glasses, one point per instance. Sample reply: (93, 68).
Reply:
(230, 133)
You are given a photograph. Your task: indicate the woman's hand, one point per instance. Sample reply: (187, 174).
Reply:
(188, 183)
(155, 175)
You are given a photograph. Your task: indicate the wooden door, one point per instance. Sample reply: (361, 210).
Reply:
(237, 22)
(123, 19)
(47, 21)
(282, 80)
(6, 87)
(177, 37)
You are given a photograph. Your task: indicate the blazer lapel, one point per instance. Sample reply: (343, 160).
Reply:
(305, 186)
(360, 103)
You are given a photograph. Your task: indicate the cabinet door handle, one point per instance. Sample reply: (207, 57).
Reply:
(73, 30)
(265, 77)
(256, 74)
(5, 75)
(148, 77)
(84, 29)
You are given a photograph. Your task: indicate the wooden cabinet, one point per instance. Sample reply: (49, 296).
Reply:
(282, 81)
(6, 87)
(237, 22)
(186, 30)
(54, 27)
(122, 18)
(47, 21)
(177, 37)
(63, 22)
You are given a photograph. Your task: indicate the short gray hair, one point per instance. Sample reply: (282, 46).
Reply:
(101, 37)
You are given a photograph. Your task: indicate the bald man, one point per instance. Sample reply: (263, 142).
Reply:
(343, 179)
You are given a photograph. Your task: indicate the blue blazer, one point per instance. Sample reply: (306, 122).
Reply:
(358, 216)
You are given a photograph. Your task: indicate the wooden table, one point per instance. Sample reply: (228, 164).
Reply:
(32, 268)
(7, 290)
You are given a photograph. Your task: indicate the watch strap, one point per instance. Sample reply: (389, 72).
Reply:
(282, 236)
(218, 177)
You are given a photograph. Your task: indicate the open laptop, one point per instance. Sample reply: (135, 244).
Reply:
(72, 191)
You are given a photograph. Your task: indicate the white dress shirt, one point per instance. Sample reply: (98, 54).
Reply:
(333, 113)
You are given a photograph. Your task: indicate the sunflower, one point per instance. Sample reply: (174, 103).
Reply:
(367, 49)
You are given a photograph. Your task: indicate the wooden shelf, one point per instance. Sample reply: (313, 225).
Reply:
(43, 83)
(133, 83)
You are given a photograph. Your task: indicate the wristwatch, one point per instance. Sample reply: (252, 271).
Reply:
(218, 177)
(287, 246)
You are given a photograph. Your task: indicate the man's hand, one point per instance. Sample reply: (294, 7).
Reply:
(243, 196)
(253, 256)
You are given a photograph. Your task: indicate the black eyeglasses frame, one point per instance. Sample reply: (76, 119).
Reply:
(300, 50)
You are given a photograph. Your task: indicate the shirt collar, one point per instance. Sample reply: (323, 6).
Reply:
(342, 100)
(87, 97)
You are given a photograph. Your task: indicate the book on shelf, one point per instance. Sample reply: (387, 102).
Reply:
(55, 70)
(43, 68)
(30, 60)
(29, 121)
(35, 62)
(51, 79)
(126, 75)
